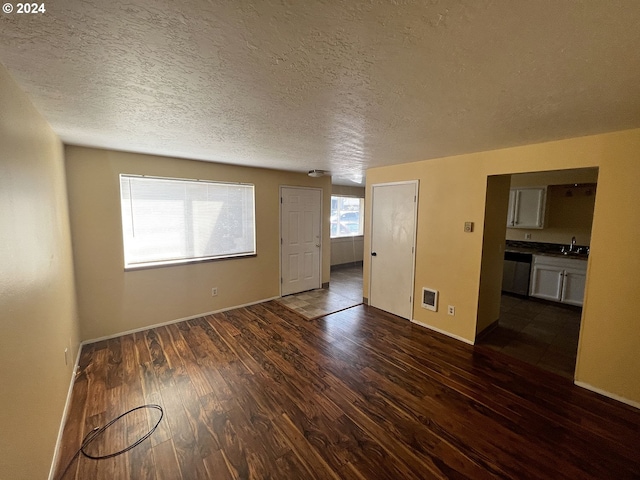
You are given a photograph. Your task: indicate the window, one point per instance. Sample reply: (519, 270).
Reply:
(168, 221)
(347, 216)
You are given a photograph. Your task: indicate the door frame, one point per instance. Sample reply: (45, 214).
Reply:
(303, 187)
(416, 183)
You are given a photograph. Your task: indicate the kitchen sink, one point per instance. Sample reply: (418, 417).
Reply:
(577, 252)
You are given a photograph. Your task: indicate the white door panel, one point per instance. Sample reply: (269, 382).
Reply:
(393, 233)
(301, 228)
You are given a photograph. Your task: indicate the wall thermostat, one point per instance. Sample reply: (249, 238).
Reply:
(430, 299)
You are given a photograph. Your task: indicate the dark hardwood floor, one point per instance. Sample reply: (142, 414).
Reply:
(259, 392)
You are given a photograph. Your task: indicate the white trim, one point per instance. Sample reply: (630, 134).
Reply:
(400, 182)
(608, 394)
(65, 414)
(162, 324)
(199, 180)
(444, 332)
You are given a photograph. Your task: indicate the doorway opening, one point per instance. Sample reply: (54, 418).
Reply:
(546, 244)
(344, 291)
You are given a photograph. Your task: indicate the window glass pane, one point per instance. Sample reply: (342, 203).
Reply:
(347, 216)
(165, 220)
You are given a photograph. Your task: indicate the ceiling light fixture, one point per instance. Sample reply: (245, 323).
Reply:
(317, 173)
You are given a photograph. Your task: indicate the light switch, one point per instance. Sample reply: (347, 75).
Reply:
(468, 227)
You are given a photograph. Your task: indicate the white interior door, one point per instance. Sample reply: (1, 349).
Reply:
(301, 238)
(393, 237)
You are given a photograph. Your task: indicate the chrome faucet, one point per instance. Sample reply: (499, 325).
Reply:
(567, 250)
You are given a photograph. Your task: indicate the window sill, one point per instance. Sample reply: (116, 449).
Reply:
(172, 263)
(349, 239)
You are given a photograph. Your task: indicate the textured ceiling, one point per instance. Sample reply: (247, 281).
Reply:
(334, 85)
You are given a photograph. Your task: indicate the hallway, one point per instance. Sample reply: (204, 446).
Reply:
(345, 291)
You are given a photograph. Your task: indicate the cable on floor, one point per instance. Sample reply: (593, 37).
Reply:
(97, 431)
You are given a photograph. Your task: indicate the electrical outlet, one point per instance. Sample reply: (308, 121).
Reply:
(214, 292)
(527, 236)
(451, 310)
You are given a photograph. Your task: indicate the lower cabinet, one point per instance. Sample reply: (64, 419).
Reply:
(558, 279)
(546, 282)
(573, 285)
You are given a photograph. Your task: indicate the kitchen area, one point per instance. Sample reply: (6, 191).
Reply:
(546, 250)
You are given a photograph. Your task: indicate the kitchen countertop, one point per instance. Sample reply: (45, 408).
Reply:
(547, 249)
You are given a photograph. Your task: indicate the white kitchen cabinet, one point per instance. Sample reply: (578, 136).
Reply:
(558, 279)
(573, 286)
(546, 282)
(527, 207)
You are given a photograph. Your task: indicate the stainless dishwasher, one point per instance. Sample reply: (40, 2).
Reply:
(516, 272)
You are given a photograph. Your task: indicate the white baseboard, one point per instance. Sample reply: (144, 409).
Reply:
(608, 394)
(162, 324)
(448, 334)
(65, 414)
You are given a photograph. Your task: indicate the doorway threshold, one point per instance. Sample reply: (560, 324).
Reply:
(317, 303)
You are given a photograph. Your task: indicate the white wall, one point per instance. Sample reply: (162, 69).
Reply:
(346, 250)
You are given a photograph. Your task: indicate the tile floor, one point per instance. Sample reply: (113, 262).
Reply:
(345, 291)
(540, 333)
(347, 281)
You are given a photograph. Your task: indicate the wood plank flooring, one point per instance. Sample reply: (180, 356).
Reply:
(259, 392)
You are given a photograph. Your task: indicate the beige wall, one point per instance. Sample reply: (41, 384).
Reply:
(453, 190)
(555, 177)
(496, 206)
(111, 300)
(37, 300)
(566, 217)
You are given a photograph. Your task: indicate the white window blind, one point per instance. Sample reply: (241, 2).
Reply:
(176, 221)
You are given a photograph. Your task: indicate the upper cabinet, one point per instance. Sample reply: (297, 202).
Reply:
(526, 207)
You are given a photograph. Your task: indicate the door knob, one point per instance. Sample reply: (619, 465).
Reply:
(374, 254)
